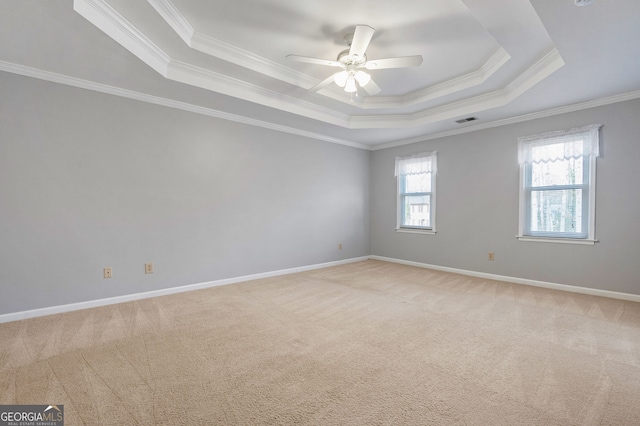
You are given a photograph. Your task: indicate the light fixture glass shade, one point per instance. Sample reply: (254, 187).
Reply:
(350, 85)
(341, 78)
(363, 78)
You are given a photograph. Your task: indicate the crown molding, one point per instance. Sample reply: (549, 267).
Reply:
(174, 18)
(117, 27)
(246, 59)
(201, 77)
(548, 64)
(107, 19)
(225, 51)
(475, 78)
(170, 103)
(623, 97)
(543, 68)
(210, 112)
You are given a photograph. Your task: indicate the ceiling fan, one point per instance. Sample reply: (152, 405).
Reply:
(353, 60)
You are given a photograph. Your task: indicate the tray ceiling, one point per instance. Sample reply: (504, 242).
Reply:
(494, 59)
(239, 49)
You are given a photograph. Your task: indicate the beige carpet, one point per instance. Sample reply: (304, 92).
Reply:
(365, 343)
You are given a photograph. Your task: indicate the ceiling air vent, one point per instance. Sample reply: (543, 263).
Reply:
(466, 120)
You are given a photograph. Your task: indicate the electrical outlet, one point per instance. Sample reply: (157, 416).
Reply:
(491, 256)
(108, 272)
(339, 246)
(148, 268)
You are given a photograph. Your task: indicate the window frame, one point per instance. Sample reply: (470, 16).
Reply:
(401, 196)
(588, 189)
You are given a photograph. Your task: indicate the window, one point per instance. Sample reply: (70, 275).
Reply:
(416, 192)
(557, 185)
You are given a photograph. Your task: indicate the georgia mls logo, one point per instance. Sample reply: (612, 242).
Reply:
(31, 415)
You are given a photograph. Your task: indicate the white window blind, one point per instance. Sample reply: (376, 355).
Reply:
(416, 191)
(557, 191)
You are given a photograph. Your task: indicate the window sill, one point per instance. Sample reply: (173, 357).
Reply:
(416, 231)
(556, 240)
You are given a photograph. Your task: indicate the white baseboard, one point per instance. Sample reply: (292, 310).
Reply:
(16, 316)
(515, 280)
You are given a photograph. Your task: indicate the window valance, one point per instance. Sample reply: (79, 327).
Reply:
(424, 162)
(560, 145)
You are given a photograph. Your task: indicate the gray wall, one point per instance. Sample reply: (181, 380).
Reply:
(477, 205)
(89, 180)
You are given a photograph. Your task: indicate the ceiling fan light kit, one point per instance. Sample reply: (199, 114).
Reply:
(350, 86)
(354, 60)
(340, 78)
(362, 78)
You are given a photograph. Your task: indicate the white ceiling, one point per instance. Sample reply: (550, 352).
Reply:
(497, 60)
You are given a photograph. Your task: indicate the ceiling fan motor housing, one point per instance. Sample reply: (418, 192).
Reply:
(345, 59)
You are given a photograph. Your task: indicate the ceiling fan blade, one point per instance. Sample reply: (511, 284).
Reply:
(361, 38)
(402, 62)
(316, 61)
(324, 83)
(372, 88)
